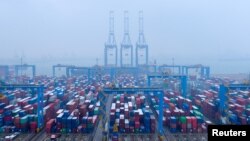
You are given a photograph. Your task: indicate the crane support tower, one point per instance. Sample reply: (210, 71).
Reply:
(126, 51)
(110, 45)
(141, 45)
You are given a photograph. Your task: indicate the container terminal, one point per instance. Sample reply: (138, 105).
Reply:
(116, 103)
(125, 102)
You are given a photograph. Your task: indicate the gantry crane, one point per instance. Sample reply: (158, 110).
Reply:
(183, 79)
(60, 66)
(205, 70)
(24, 66)
(163, 67)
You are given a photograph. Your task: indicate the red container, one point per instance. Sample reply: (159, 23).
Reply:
(152, 120)
(152, 128)
(1, 111)
(7, 118)
(171, 106)
(243, 120)
(131, 129)
(184, 128)
(58, 125)
(33, 126)
(49, 124)
(83, 110)
(94, 119)
(239, 107)
(137, 124)
(241, 101)
(167, 113)
(194, 123)
(199, 129)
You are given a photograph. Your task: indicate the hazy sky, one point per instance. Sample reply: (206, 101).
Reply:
(211, 32)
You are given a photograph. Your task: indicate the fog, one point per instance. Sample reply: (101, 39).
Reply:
(47, 32)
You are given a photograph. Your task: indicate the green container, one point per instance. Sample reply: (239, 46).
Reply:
(15, 112)
(156, 106)
(172, 100)
(24, 120)
(1, 130)
(96, 111)
(118, 97)
(197, 113)
(137, 131)
(63, 131)
(154, 102)
(183, 119)
(31, 118)
(90, 125)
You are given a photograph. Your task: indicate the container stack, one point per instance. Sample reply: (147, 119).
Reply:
(130, 114)
(180, 115)
(66, 102)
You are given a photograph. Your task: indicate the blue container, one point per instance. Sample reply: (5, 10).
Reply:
(84, 120)
(59, 118)
(173, 120)
(199, 120)
(32, 101)
(131, 123)
(185, 106)
(112, 122)
(10, 97)
(66, 113)
(146, 113)
(22, 113)
(173, 130)
(91, 113)
(117, 115)
(64, 121)
(84, 130)
(1, 120)
(69, 125)
(131, 114)
(142, 129)
(7, 113)
(166, 106)
(111, 129)
(2, 105)
(74, 122)
(90, 129)
(53, 129)
(146, 121)
(233, 118)
(147, 129)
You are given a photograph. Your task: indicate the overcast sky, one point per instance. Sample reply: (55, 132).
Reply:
(210, 32)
